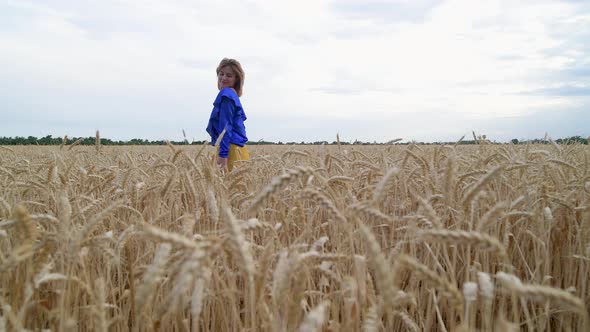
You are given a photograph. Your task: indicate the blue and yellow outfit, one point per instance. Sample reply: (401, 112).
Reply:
(228, 114)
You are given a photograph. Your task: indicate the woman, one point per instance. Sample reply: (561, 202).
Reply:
(228, 114)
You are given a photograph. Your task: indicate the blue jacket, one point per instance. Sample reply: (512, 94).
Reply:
(227, 113)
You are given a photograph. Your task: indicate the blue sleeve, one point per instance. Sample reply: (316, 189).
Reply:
(226, 111)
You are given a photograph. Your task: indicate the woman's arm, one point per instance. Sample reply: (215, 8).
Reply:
(226, 112)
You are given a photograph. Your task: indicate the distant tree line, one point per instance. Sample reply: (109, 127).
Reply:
(568, 140)
(91, 140)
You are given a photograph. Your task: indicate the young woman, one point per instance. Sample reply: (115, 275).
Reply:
(228, 114)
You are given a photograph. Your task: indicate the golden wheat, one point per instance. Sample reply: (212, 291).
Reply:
(350, 238)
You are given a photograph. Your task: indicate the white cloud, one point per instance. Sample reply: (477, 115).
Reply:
(333, 62)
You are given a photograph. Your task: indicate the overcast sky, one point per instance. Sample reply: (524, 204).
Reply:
(372, 70)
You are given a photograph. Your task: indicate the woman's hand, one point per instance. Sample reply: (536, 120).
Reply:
(222, 163)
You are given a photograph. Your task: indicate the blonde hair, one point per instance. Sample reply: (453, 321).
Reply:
(238, 71)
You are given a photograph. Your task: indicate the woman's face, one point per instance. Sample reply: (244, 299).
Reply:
(226, 78)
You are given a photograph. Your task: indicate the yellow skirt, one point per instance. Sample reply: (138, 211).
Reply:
(236, 152)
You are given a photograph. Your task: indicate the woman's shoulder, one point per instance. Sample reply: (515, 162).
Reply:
(230, 94)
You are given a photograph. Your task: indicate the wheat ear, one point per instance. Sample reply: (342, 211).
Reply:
(152, 277)
(365, 164)
(97, 141)
(26, 225)
(384, 276)
(475, 239)
(490, 216)
(199, 293)
(539, 293)
(407, 320)
(4, 208)
(383, 183)
(277, 183)
(245, 258)
(371, 214)
(486, 288)
(430, 212)
(315, 319)
(99, 306)
(294, 152)
(339, 178)
(281, 275)
(173, 238)
(480, 185)
(372, 319)
(6, 148)
(325, 202)
(454, 295)
(89, 226)
(78, 141)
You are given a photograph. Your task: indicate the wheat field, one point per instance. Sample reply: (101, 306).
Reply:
(300, 238)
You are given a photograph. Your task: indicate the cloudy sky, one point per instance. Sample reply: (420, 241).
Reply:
(372, 70)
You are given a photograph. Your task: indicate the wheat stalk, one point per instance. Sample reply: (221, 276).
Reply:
(151, 278)
(97, 141)
(372, 319)
(384, 275)
(245, 258)
(26, 226)
(382, 185)
(407, 320)
(99, 307)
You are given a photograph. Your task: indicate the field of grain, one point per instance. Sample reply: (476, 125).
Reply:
(300, 238)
